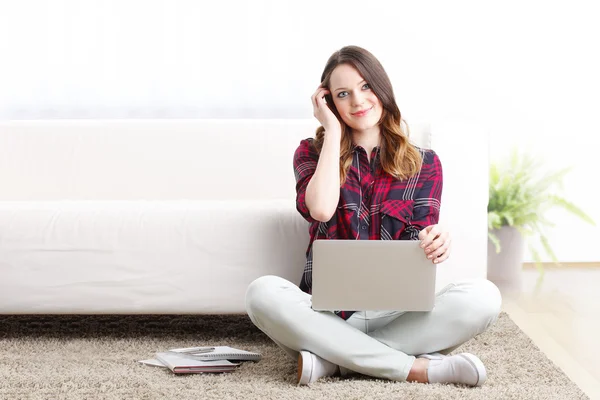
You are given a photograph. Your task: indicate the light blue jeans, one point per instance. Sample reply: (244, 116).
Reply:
(374, 343)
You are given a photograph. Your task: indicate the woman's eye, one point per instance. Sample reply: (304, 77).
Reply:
(342, 94)
(366, 86)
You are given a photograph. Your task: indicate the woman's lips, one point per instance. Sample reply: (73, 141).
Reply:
(362, 113)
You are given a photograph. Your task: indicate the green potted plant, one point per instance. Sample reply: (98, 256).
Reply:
(521, 193)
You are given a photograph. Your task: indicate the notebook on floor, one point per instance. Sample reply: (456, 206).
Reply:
(179, 364)
(207, 353)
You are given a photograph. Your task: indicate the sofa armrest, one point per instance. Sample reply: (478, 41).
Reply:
(463, 150)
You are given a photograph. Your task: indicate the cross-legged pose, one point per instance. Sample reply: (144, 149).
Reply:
(360, 178)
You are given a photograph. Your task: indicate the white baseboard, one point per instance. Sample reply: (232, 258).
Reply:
(564, 264)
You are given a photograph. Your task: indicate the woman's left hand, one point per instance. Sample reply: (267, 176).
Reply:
(436, 243)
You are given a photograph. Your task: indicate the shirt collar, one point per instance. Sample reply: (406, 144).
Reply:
(355, 148)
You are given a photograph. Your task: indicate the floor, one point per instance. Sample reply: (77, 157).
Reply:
(562, 317)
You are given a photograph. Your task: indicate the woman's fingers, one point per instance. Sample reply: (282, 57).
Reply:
(318, 97)
(314, 99)
(444, 256)
(441, 249)
(315, 96)
(436, 243)
(428, 235)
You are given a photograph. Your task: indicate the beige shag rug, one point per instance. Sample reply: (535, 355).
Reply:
(95, 357)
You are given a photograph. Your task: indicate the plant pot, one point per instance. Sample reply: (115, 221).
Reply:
(505, 269)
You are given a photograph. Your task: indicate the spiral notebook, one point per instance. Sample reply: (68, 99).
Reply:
(208, 353)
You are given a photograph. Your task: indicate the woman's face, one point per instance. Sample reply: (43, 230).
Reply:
(356, 103)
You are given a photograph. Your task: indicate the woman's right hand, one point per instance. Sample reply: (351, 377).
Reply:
(322, 112)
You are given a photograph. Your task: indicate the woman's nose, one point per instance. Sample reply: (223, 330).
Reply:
(358, 99)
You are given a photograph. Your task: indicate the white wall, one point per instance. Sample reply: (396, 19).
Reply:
(525, 71)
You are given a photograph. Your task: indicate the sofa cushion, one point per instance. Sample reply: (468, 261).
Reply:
(146, 256)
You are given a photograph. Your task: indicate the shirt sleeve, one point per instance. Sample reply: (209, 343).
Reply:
(305, 165)
(427, 201)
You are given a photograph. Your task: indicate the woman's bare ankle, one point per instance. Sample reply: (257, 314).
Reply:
(418, 372)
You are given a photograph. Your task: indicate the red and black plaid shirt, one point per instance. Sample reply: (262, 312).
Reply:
(373, 205)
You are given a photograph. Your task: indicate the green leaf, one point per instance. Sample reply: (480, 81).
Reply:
(548, 249)
(494, 220)
(554, 178)
(495, 241)
(537, 259)
(509, 219)
(572, 208)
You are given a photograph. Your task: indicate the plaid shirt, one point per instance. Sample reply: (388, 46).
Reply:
(373, 205)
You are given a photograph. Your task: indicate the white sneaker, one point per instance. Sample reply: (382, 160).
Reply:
(463, 368)
(312, 367)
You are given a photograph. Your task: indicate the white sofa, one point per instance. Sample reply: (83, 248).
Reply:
(179, 216)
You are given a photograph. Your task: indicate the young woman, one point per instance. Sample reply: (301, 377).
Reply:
(360, 178)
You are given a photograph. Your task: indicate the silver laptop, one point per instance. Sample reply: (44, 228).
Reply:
(364, 275)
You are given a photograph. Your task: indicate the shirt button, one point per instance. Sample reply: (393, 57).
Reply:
(364, 227)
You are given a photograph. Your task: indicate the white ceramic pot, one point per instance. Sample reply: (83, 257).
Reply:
(505, 269)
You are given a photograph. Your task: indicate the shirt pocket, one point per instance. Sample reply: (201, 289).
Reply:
(395, 217)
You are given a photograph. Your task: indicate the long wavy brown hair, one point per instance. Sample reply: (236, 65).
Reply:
(397, 156)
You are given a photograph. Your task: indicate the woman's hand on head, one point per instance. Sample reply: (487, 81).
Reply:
(323, 113)
(436, 243)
